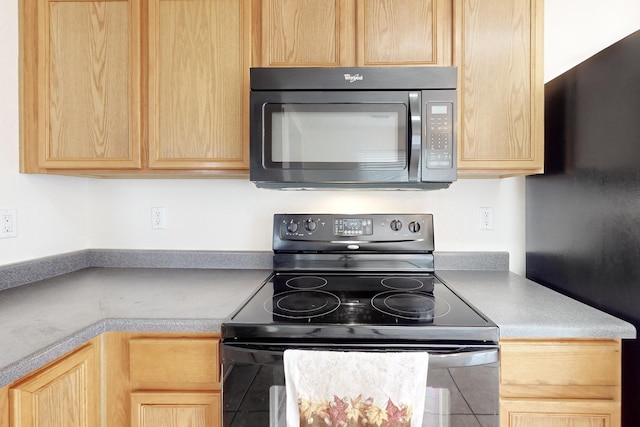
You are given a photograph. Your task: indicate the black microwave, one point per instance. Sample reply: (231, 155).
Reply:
(356, 127)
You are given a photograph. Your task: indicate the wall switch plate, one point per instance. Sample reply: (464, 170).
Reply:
(8, 226)
(486, 218)
(158, 220)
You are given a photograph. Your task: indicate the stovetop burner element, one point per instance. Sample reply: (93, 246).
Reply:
(301, 304)
(405, 283)
(410, 305)
(306, 282)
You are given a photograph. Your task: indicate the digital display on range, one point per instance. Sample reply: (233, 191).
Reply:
(353, 227)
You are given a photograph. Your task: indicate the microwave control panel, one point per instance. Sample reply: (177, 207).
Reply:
(439, 135)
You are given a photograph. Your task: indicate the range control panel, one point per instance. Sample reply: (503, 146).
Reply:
(320, 232)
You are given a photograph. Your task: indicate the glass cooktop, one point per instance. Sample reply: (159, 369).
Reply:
(338, 305)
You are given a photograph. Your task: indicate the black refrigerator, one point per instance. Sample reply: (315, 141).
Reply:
(583, 214)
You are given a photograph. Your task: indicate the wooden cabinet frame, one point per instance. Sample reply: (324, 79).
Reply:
(146, 370)
(560, 382)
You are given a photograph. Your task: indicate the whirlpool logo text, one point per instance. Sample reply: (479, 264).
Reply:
(353, 77)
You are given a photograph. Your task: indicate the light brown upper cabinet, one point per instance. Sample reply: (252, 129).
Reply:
(499, 57)
(331, 33)
(161, 87)
(131, 87)
(198, 84)
(80, 84)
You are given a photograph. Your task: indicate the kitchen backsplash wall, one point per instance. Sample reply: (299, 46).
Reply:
(58, 214)
(235, 215)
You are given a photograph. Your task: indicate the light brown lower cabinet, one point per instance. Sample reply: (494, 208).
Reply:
(65, 393)
(155, 379)
(560, 383)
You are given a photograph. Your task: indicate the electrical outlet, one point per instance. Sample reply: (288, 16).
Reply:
(8, 227)
(158, 220)
(486, 218)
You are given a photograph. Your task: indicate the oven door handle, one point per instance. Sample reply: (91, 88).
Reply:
(439, 357)
(462, 359)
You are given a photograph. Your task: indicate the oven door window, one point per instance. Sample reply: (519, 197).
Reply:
(335, 136)
(254, 392)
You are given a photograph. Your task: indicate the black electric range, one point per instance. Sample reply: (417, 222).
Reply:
(357, 283)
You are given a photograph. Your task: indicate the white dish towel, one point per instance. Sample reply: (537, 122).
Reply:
(344, 389)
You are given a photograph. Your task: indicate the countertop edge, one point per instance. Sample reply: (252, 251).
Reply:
(38, 359)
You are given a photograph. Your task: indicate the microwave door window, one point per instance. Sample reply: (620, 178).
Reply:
(343, 136)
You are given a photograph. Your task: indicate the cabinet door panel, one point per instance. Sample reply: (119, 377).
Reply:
(174, 363)
(532, 413)
(166, 409)
(198, 74)
(89, 106)
(308, 33)
(401, 32)
(65, 394)
(499, 56)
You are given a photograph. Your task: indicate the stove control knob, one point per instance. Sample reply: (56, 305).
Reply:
(292, 226)
(396, 225)
(310, 225)
(414, 226)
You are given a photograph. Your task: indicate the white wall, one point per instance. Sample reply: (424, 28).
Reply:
(234, 215)
(575, 30)
(52, 211)
(62, 214)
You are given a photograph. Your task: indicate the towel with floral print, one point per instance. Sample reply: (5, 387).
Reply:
(345, 389)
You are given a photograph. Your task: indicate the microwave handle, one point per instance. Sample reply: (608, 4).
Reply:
(416, 135)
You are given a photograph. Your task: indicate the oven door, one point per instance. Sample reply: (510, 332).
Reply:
(462, 384)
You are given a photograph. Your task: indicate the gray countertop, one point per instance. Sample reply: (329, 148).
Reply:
(43, 320)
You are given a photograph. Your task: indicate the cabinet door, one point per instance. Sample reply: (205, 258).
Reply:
(64, 394)
(167, 363)
(168, 409)
(331, 33)
(404, 32)
(84, 111)
(198, 84)
(585, 413)
(499, 55)
(312, 33)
